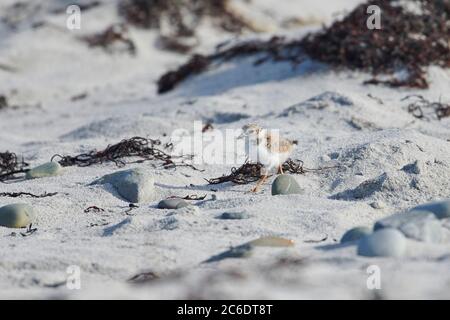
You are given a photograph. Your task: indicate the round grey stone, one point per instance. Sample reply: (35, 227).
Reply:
(355, 234)
(18, 215)
(378, 205)
(238, 215)
(383, 243)
(172, 203)
(285, 184)
(417, 224)
(441, 208)
(48, 169)
(242, 251)
(134, 185)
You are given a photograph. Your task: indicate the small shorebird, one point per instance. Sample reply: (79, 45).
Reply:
(267, 148)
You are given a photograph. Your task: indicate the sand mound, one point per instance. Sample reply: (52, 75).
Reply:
(415, 170)
(122, 127)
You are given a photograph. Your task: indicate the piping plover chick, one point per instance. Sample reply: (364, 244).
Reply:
(267, 148)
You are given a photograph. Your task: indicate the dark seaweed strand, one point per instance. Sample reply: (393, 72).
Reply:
(116, 33)
(27, 194)
(10, 166)
(419, 104)
(143, 148)
(275, 49)
(149, 13)
(251, 172)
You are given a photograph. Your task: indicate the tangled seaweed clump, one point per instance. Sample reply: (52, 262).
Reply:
(183, 16)
(10, 164)
(407, 43)
(137, 147)
(145, 149)
(252, 172)
(275, 49)
(109, 38)
(420, 106)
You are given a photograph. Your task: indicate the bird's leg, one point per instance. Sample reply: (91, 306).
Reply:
(260, 182)
(280, 169)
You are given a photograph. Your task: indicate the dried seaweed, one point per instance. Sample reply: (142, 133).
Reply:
(175, 44)
(406, 44)
(295, 167)
(138, 147)
(93, 209)
(134, 147)
(419, 107)
(197, 64)
(252, 172)
(3, 102)
(275, 49)
(79, 97)
(442, 110)
(131, 207)
(113, 35)
(144, 277)
(191, 197)
(27, 194)
(379, 100)
(182, 16)
(10, 165)
(99, 224)
(247, 173)
(30, 230)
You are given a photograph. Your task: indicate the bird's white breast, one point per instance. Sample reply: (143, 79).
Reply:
(260, 153)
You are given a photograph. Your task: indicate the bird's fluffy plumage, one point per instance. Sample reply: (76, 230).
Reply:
(266, 147)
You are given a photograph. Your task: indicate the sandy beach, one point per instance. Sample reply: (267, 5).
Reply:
(374, 159)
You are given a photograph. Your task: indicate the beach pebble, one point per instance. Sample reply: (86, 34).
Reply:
(271, 242)
(17, 215)
(237, 215)
(383, 243)
(242, 251)
(378, 205)
(285, 184)
(134, 185)
(172, 203)
(441, 208)
(416, 224)
(48, 169)
(355, 234)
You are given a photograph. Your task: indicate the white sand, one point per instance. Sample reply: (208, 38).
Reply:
(122, 102)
